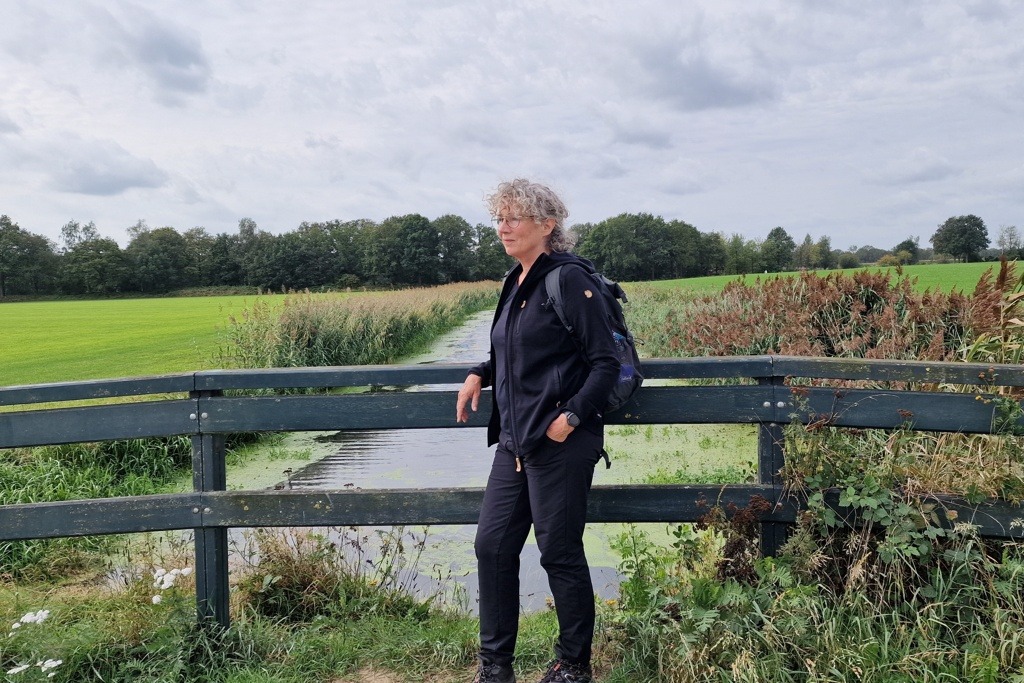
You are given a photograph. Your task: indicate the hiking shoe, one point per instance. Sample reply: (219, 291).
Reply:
(495, 673)
(564, 671)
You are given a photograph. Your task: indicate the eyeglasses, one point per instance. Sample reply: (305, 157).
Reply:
(512, 221)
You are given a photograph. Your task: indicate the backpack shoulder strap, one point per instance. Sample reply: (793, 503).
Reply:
(553, 283)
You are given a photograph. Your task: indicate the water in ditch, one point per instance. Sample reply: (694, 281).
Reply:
(459, 457)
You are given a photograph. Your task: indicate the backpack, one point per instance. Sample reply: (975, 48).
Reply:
(630, 376)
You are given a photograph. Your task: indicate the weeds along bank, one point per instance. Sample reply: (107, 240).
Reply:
(898, 598)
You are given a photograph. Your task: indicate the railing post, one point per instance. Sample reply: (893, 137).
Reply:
(209, 474)
(770, 460)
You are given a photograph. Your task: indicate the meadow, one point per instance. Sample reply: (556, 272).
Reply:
(59, 341)
(942, 277)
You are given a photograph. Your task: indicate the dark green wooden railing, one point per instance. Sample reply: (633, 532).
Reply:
(209, 405)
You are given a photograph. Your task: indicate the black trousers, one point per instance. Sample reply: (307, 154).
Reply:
(551, 494)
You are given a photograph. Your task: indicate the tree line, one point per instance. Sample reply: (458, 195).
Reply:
(414, 250)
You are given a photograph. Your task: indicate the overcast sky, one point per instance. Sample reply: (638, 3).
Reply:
(867, 121)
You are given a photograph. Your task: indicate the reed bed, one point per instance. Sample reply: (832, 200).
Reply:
(361, 329)
(863, 314)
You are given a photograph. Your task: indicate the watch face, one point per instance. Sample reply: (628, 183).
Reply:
(573, 419)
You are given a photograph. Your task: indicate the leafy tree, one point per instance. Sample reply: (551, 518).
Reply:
(962, 237)
(405, 250)
(94, 266)
(711, 254)
(742, 256)
(351, 240)
(255, 256)
(582, 232)
(683, 257)
(198, 249)
(633, 247)
(224, 267)
(803, 255)
(73, 233)
(1009, 241)
(138, 229)
(822, 255)
(777, 251)
(27, 261)
(455, 243)
(158, 260)
(847, 259)
(491, 259)
(910, 246)
(869, 254)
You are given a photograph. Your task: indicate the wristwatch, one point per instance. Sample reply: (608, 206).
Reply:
(572, 418)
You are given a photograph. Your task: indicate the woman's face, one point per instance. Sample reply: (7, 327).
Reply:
(527, 240)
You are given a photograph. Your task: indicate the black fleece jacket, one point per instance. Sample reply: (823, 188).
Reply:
(548, 370)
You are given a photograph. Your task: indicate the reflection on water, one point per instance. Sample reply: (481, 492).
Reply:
(405, 458)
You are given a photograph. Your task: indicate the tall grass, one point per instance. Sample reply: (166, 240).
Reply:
(368, 329)
(77, 472)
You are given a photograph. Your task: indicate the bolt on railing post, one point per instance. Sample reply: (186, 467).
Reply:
(211, 544)
(770, 460)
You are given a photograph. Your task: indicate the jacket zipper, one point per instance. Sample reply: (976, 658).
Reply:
(509, 378)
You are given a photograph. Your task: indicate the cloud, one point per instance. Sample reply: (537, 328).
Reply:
(101, 167)
(921, 165)
(170, 57)
(695, 83)
(7, 125)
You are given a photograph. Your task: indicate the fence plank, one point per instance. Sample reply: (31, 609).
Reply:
(899, 370)
(929, 411)
(97, 423)
(417, 410)
(100, 517)
(384, 507)
(444, 373)
(104, 388)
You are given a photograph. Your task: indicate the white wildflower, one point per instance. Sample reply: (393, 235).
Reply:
(186, 571)
(50, 664)
(17, 669)
(15, 625)
(157, 599)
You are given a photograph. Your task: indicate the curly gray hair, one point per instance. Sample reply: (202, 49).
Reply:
(539, 201)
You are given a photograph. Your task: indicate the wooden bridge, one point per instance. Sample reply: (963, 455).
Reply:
(209, 405)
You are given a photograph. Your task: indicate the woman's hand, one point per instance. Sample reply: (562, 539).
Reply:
(559, 429)
(469, 393)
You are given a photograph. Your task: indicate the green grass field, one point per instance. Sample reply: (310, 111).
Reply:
(60, 341)
(57, 341)
(939, 276)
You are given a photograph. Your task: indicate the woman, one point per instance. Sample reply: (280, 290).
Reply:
(549, 393)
